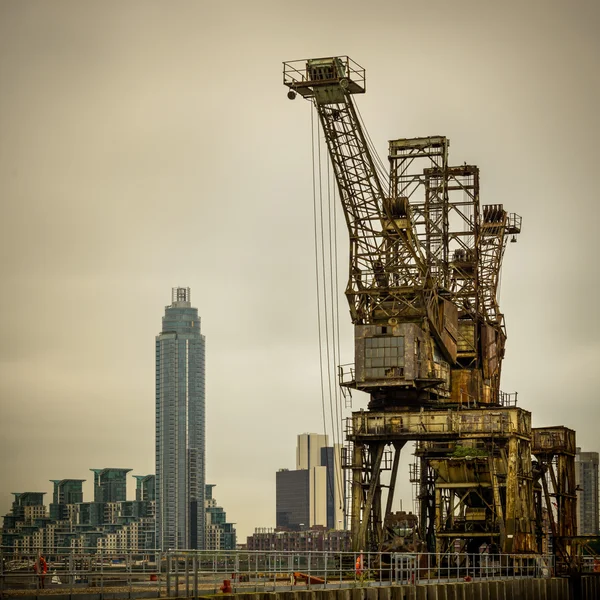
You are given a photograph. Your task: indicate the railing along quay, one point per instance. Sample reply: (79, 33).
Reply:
(151, 573)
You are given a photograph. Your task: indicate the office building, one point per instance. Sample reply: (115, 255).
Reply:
(313, 493)
(292, 499)
(586, 478)
(180, 413)
(308, 450)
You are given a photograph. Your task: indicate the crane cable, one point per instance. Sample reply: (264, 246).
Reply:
(379, 166)
(332, 388)
(318, 218)
(335, 321)
(335, 296)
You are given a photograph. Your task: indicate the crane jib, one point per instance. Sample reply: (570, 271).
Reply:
(410, 264)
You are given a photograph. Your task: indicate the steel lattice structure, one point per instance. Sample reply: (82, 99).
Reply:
(424, 270)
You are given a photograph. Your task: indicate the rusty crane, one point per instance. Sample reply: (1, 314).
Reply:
(424, 268)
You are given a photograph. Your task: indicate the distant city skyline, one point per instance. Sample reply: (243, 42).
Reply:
(109, 521)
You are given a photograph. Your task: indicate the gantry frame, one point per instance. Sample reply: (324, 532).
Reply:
(556, 499)
(495, 484)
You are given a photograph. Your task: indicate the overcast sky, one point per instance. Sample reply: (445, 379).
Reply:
(145, 145)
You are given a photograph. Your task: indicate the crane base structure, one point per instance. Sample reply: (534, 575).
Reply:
(425, 259)
(475, 477)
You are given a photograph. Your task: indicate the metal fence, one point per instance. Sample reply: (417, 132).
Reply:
(81, 570)
(192, 573)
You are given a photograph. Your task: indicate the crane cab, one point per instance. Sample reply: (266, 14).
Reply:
(401, 356)
(327, 80)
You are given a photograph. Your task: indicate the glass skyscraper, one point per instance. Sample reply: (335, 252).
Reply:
(180, 427)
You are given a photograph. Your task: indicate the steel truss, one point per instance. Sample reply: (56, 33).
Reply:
(556, 495)
(424, 271)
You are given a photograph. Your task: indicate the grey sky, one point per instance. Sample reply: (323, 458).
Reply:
(145, 145)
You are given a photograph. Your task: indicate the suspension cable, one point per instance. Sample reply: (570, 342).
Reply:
(379, 166)
(335, 343)
(316, 244)
(327, 288)
(328, 332)
(329, 340)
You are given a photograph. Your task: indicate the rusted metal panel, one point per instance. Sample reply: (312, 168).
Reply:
(440, 424)
(553, 440)
(466, 337)
(465, 471)
(489, 351)
(467, 386)
(436, 141)
(396, 354)
(449, 318)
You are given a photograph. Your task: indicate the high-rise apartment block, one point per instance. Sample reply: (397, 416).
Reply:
(220, 534)
(145, 489)
(66, 491)
(180, 426)
(110, 485)
(109, 522)
(313, 494)
(586, 478)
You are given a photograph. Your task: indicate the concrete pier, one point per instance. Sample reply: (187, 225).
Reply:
(508, 589)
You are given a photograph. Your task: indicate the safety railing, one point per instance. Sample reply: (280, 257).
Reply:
(508, 399)
(346, 374)
(36, 571)
(299, 72)
(458, 566)
(514, 222)
(193, 573)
